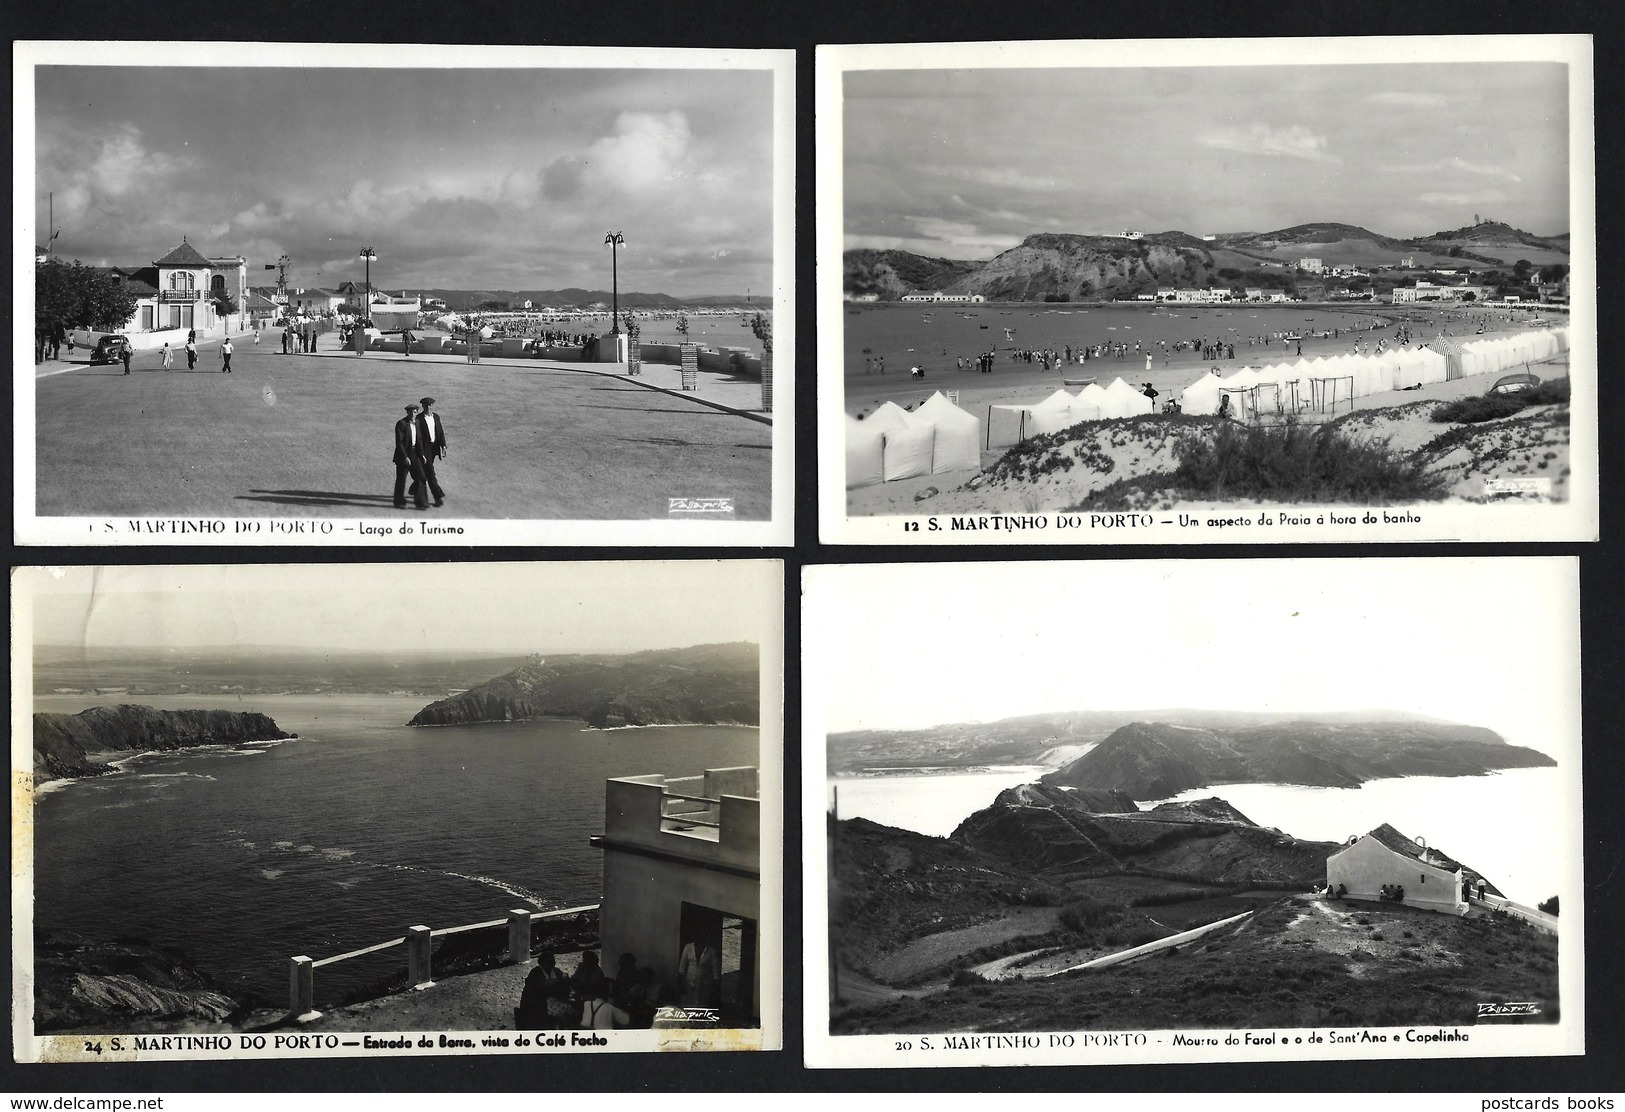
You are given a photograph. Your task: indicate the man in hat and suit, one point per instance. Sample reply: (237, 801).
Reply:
(432, 446)
(409, 461)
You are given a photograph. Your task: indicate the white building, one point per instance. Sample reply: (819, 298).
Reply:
(682, 869)
(937, 295)
(1253, 293)
(1386, 865)
(1133, 235)
(1312, 265)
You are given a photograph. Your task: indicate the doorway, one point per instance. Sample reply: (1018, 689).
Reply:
(717, 964)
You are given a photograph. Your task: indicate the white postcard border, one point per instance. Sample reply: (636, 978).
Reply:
(823, 1050)
(293, 529)
(1574, 520)
(27, 1046)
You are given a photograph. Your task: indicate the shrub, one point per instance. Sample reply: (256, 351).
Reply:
(968, 978)
(1486, 407)
(1085, 915)
(1548, 906)
(1297, 463)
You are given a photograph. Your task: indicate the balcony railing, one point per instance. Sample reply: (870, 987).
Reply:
(179, 295)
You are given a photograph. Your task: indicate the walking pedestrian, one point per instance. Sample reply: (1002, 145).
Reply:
(124, 354)
(169, 356)
(191, 352)
(225, 355)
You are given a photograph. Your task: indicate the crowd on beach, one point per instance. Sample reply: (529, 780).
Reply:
(1222, 349)
(590, 1000)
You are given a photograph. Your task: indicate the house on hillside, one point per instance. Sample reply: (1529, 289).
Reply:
(1386, 865)
(682, 876)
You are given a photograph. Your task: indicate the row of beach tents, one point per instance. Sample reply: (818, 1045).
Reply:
(894, 443)
(937, 436)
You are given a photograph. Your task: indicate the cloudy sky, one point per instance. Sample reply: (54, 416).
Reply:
(495, 608)
(895, 646)
(967, 163)
(459, 178)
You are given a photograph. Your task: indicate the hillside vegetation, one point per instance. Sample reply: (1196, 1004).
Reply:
(1155, 760)
(704, 684)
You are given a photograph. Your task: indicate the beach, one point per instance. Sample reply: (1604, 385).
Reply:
(1136, 447)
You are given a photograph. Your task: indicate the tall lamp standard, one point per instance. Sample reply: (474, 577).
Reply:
(368, 254)
(616, 241)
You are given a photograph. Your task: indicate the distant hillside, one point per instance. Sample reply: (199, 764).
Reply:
(64, 744)
(1155, 760)
(892, 273)
(1060, 266)
(1051, 738)
(704, 684)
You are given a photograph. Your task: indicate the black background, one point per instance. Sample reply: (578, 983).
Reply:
(800, 27)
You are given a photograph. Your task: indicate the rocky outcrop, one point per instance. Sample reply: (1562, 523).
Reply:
(1073, 267)
(701, 685)
(126, 985)
(1047, 833)
(65, 745)
(1156, 760)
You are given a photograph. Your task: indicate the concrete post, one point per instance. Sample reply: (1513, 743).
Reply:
(767, 380)
(518, 936)
(634, 355)
(419, 948)
(302, 989)
(691, 366)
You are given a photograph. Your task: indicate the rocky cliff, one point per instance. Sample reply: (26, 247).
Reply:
(1076, 267)
(1155, 760)
(701, 685)
(65, 744)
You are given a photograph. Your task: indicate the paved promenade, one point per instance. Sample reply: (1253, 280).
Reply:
(313, 435)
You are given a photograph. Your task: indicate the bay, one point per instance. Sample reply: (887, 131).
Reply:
(247, 856)
(928, 803)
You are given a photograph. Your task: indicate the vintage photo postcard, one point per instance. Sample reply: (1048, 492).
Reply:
(1192, 811)
(389, 810)
(1198, 291)
(403, 295)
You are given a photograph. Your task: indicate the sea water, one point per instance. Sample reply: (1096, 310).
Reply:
(1505, 825)
(934, 336)
(247, 856)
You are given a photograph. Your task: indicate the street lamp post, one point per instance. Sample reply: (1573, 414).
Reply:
(616, 241)
(368, 254)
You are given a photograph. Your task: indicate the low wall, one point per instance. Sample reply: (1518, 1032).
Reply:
(1519, 911)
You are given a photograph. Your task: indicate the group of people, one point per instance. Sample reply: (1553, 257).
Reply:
(298, 340)
(420, 441)
(167, 357)
(590, 1000)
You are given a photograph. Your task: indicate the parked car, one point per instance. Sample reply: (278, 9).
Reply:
(110, 349)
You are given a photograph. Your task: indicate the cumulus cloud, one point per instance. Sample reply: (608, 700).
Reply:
(1293, 141)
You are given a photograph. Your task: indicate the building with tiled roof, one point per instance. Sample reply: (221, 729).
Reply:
(1384, 864)
(177, 293)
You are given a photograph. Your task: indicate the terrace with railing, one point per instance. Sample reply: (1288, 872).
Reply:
(419, 943)
(713, 818)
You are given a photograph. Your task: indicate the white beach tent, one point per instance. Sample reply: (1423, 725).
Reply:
(865, 447)
(1052, 414)
(954, 447)
(1201, 398)
(906, 442)
(1088, 402)
(1122, 400)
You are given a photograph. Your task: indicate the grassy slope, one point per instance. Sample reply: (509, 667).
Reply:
(1267, 973)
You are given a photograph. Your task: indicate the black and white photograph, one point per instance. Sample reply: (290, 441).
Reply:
(410, 294)
(1192, 811)
(393, 810)
(1197, 291)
